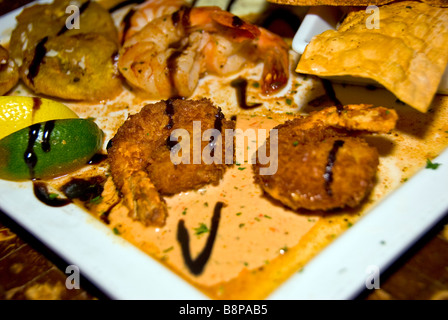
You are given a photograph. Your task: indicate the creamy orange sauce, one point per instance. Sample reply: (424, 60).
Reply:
(252, 231)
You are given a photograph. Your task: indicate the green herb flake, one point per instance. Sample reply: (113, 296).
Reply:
(116, 231)
(96, 200)
(295, 143)
(184, 212)
(201, 229)
(255, 85)
(241, 168)
(288, 101)
(431, 165)
(52, 196)
(168, 249)
(239, 213)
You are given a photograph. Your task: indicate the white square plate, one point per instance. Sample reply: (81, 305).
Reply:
(339, 272)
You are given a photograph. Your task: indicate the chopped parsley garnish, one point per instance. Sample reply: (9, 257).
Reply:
(96, 200)
(201, 229)
(431, 165)
(168, 250)
(52, 196)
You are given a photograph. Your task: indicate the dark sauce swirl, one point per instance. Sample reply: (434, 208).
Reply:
(329, 90)
(42, 194)
(328, 175)
(240, 84)
(196, 266)
(39, 54)
(30, 156)
(48, 129)
(219, 116)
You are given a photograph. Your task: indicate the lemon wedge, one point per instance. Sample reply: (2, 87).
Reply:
(17, 112)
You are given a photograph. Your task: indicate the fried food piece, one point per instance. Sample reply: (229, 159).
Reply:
(320, 165)
(60, 58)
(140, 155)
(9, 74)
(406, 54)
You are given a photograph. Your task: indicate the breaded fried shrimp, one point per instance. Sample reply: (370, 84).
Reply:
(140, 156)
(321, 165)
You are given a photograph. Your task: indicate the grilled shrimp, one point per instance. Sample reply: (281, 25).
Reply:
(140, 156)
(168, 56)
(141, 14)
(322, 165)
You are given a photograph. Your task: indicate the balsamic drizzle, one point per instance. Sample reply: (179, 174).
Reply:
(169, 111)
(39, 53)
(29, 156)
(48, 128)
(219, 116)
(329, 90)
(229, 5)
(41, 193)
(328, 175)
(197, 265)
(97, 158)
(240, 84)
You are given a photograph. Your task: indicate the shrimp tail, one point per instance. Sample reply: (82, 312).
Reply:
(275, 53)
(144, 201)
(240, 30)
(275, 75)
(358, 117)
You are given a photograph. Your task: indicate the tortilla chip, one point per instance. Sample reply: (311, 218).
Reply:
(407, 54)
(443, 3)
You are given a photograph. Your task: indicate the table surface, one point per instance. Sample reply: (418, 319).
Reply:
(30, 271)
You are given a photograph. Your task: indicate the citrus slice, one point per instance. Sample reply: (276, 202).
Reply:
(17, 112)
(49, 149)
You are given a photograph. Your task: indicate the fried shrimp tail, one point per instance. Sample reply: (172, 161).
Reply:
(140, 156)
(143, 200)
(322, 165)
